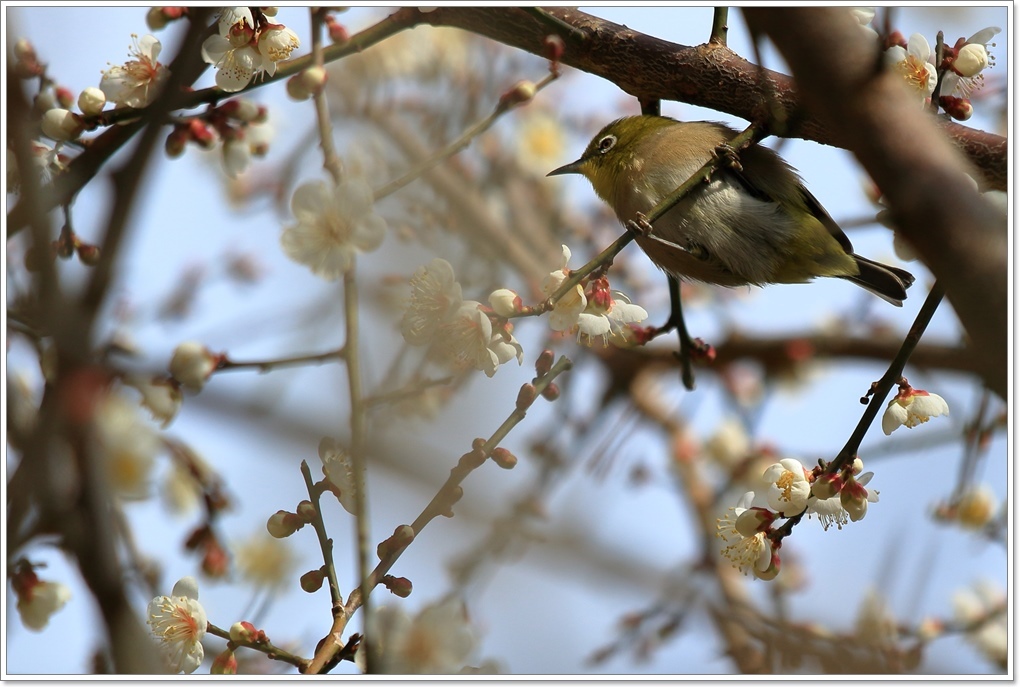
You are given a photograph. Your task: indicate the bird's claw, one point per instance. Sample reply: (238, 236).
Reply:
(639, 226)
(728, 156)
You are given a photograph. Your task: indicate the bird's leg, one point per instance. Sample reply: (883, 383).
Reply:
(728, 156)
(689, 348)
(639, 226)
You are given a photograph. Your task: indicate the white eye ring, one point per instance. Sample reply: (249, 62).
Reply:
(606, 143)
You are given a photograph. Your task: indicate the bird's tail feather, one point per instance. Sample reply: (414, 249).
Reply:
(886, 282)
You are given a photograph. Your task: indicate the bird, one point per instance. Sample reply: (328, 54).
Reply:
(753, 223)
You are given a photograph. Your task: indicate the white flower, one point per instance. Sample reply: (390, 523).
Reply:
(338, 468)
(599, 322)
(38, 599)
(567, 309)
(912, 64)
(235, 66)
(875, 625)
(789, 488)
(539, 142)
(276, 42)
(437, 641)
(964, 75)
(128, 446)
(730, 444)
(231, 16)
(179, 622)
(138, 82)
(265, 561)
(435, 297)
(747, 545)
(192, 364)
(985, 605)
(333, 225)
(162, 398)
(976, 507)
(462, 341)
(236, 157)
(912, 407)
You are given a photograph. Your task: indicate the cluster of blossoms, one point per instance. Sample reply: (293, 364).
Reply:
(593, 311)
(247, 44)
(460, 334)
(751, 540)
(962, 65)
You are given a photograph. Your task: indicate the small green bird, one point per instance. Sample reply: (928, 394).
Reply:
(754, 223)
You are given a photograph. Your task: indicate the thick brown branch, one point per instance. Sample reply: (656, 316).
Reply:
(960, 236)
(707, 75)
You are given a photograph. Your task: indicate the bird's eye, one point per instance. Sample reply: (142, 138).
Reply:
(606, 143)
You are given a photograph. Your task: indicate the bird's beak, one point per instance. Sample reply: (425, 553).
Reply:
(572, 168)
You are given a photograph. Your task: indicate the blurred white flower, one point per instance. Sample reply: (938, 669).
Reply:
(438, 641)
(875, 624)
(265, 561)
(128, 446)
(984, 607)
(333, 225)
(338, 468)
(37, 599)
(435, 297)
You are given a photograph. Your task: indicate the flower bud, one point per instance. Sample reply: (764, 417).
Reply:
(826, 486)
(243, 632)
(307, 83)
(854, 499)
(399, 586)
(525, 397)
(554, 47)
(505, 303)
(283, 523)
(91, 101)
(312, 580)
(544, 362)
(65, 98)
(224, 664)
(959, 109)
(176, 142)
(88, 254)
(155, 19)
(971, 60)
(520, 93)
(503, 458)
(241, 109)
(192, 364)
(201, 134)
(306, 511)
(62, 125)
(551, 392)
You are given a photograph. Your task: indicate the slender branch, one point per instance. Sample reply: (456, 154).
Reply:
(336, 355)
(325, 543)
(268, 648)
(451, 490)
(882, 388)
(458, 144)
(719, 27)
(331, 160)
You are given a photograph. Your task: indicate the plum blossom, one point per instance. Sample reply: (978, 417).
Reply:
(467, 340)
(435, 296)
(333, 226)
(179, 622)
(912, 407)
(338, 468)
(439, 640)
(912, 63)
(789, 488)
(744, 529)
(138, 81)
(972, 57)
(37, 599)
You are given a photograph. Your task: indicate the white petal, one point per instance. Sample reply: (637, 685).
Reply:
(186, 586)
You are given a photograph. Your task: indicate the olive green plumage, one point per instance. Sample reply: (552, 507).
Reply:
(752, 225)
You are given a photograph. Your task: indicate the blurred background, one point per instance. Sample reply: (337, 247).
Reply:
(601, 532)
